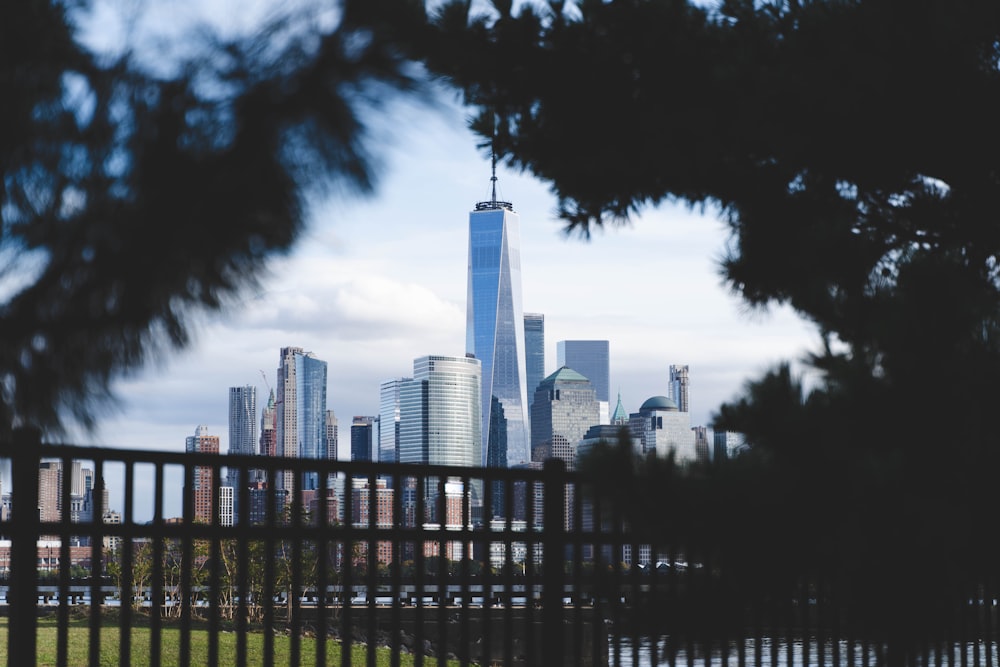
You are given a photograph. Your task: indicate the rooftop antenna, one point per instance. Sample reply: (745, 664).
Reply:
(494, 204)
(493, 178)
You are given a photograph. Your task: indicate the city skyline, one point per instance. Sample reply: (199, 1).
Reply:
(370, 314)
(370, 308)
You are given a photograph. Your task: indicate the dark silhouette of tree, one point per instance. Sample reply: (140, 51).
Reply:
(131, 200)
(851, 146)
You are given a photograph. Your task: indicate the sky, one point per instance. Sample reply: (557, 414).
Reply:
(375, 282)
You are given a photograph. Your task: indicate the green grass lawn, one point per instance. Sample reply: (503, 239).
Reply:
(170, 641)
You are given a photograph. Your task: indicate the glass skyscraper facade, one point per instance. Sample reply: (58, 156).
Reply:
(565, 407)
(439, 418)
(679, 381)
(301, 418)
(439, 412)
(534, 353)
(362, 437)
(388, 423)
(590, 358)
(495, 327)
(242, 431)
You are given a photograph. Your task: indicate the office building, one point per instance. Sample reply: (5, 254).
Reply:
(388, 420)
(564, 409)
(439, 414)
(202, 493)
(663, 429)
(679, 386)
(608, 434)
(332, 437)
(592, 360)
(362, 437)
(701, 448)
(495, 326)
(242, 434)
(534, 353)
(301, 413)
(728, 444)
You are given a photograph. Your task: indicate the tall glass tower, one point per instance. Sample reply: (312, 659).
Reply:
(388, 429)
(495, 326)
(439, 420)
(301, 418)
(534, 352)
(242, 431)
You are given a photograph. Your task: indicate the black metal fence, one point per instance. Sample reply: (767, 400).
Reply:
(358, 563)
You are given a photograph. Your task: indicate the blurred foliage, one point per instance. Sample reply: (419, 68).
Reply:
(852, 148)
(131, 200)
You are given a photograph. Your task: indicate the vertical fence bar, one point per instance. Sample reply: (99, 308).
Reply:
(395, 573)
(186, 556)
(295, 583)
(23, 591)
(62, 627)
(157, 593)
(214, 564)
(97, 563)
(372, 564)
(420, 485)
(126, 549)
(319, 524)
(553, 550)
(347, 570)
(270, 519)
(242, 567)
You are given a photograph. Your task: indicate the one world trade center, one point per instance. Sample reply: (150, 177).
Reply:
(495, 330)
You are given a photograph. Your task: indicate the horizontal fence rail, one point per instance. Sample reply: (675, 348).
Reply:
(330, 562)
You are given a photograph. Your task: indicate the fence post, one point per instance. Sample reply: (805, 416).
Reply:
(554, 551)
(22, 595)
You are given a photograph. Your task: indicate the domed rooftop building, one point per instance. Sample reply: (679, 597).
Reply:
(659, 403)
(661, 427)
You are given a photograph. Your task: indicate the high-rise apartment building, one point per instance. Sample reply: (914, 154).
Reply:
(495, 326)
(534, 353)
(268, 428)
(301, 413)
(202, 493)
(388, 420)
(439, 414)
(332, 439)
(243, 420)
(50, 481)
(679, 386)
(227, 506)
(242, 435)
(372, 508)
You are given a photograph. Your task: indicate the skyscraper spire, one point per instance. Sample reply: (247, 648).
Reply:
(493, 178)
(494, 204)
(620, 416)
